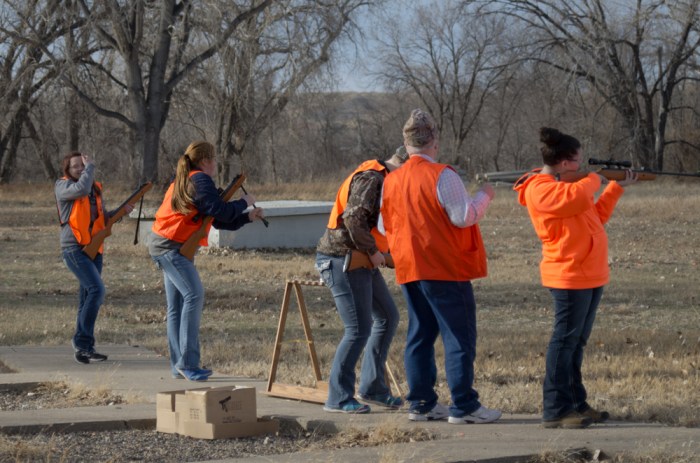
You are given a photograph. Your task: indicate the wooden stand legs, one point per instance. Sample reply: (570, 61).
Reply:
(318, 393)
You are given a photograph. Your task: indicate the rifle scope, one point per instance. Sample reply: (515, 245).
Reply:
(610, 162)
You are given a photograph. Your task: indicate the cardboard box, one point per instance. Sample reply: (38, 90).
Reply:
(227, 431)
(220, 405)
(168, 406)
(211, 413)
(167, 419)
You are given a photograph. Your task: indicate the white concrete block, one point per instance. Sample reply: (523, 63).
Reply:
(293, 224)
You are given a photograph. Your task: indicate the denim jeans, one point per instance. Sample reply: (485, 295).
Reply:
(574, 314)
(91, 294)
(370, 318)
(447, 308)
(184, 294)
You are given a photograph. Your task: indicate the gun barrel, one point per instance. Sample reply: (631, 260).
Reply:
(507, 177)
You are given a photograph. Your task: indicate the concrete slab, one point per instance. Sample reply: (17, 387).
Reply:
(141, 374)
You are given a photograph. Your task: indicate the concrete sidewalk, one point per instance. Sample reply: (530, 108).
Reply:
(138, 375)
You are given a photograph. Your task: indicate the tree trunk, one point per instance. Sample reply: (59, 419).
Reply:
(151, 142)
(73, 122)
(10, 145)
(42, 151)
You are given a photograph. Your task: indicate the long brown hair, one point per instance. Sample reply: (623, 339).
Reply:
(197, 152)
(65, 167)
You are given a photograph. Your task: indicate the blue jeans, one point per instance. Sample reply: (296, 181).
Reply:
(574, 314)
(370, 318)
(184, 294)
(91, 294)
(447, 308)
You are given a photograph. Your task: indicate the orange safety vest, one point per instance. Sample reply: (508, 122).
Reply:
(341, 201)
(80, 217)
(174, 225)
(425, 244)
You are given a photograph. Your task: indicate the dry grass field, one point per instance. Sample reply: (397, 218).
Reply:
(642, 364)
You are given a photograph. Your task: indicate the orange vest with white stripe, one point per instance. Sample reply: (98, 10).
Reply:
(80, 217)
(424, 243)
(175, 225)
(341, 201)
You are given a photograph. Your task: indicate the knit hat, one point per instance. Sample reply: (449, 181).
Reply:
(420, 129)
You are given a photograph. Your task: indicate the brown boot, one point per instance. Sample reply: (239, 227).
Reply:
(595, 415)
(572, 420)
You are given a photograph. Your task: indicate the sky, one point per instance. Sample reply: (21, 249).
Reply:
(354, 66)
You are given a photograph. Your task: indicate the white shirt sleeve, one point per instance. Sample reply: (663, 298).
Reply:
(463, 210)
(380, 220)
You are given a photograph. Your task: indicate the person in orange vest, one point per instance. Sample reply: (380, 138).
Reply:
(430, 221)
(81, 213)
(361, 296)
(192, 194)
(574, 267)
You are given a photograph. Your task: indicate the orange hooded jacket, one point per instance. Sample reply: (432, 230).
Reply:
(569, 222)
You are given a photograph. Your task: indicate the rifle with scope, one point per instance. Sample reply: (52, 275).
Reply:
(610, 169)
(615, 170)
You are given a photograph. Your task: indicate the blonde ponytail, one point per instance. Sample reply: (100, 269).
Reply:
(183, 194)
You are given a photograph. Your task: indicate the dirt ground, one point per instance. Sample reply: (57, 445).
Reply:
(642, 362)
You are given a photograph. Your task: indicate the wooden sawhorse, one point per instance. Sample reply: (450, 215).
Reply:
(318, 393)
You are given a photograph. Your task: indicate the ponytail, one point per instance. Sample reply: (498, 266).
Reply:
(182, 198)
(183, 194)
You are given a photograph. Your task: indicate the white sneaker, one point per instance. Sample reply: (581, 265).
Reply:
(480, 416)
(438, 412)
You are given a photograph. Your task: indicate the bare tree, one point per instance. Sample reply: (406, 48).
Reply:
(273, 55)
(147, 62)
(449, 58)
(633, 54)
(27, 28)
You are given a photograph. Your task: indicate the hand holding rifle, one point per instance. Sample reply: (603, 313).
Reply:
(92, 248)
(377, 259)
(256, 213)
(189, 247)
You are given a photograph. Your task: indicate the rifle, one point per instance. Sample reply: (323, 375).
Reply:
(615, 170)
(612, 170)
(356, 259)
(189, 247)
(92, 248)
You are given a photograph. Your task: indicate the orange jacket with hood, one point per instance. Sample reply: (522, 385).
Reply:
(569, 222)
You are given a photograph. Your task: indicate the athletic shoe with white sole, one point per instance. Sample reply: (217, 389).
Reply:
(438, 412)
(480, 416)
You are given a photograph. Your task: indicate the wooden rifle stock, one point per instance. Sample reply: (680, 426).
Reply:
(610, 174)
(358, 259)
(92, 248)
(189, 247)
